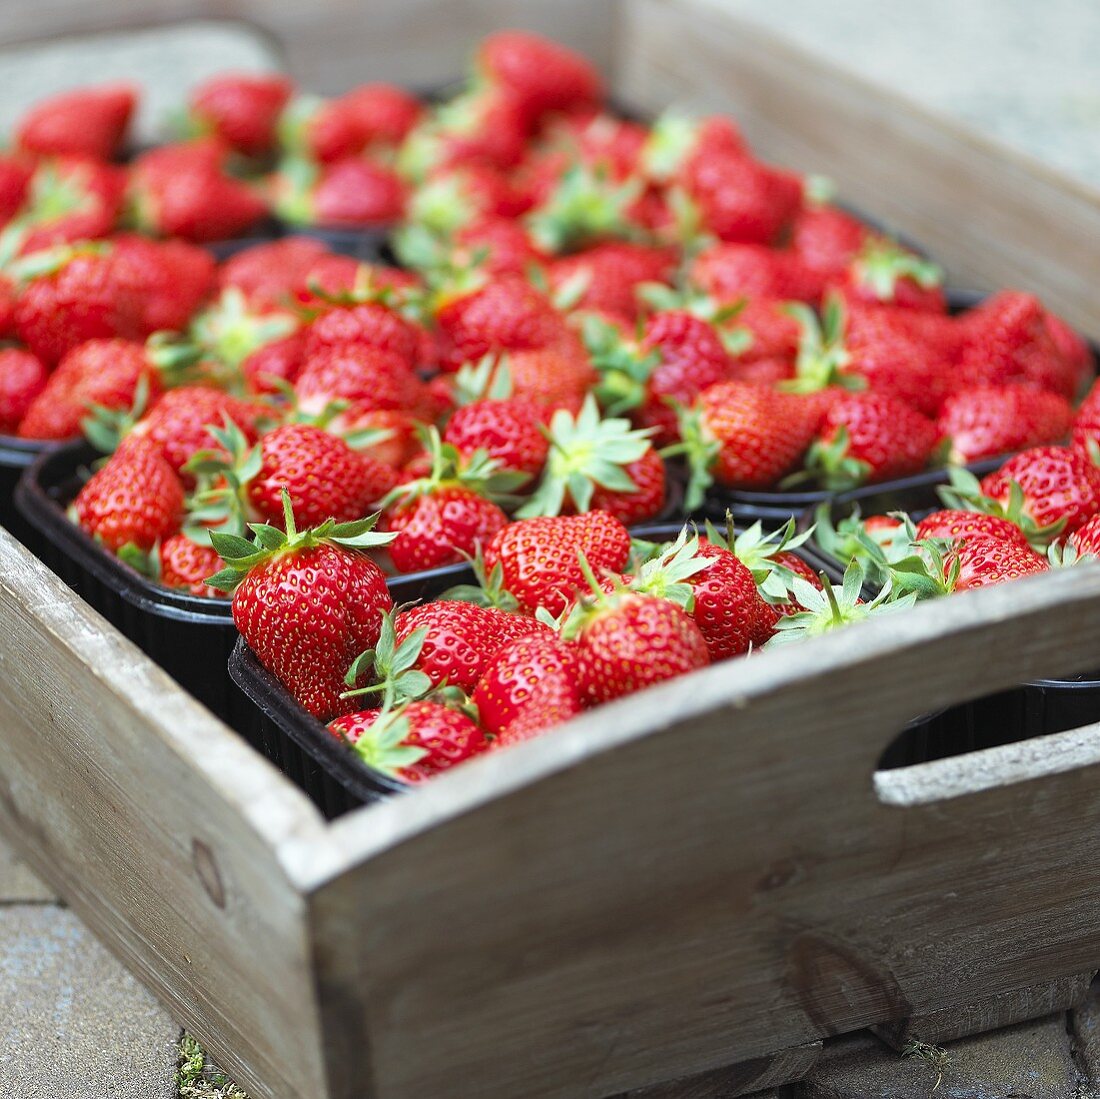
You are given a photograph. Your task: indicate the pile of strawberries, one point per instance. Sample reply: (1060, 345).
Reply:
(580, 323)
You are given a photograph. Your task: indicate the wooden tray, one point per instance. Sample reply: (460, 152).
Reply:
(700, 883)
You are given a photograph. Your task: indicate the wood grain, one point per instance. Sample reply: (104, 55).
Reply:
(993, 216)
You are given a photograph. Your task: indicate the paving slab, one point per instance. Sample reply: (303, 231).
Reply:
(73, 1023)
(1029, 1061)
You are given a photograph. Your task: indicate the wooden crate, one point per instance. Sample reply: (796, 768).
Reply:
(700, 883)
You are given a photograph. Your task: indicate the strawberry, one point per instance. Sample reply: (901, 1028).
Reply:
(133, 500)
(538, 74)
(609, 275)
(743, 436)
(241, 109)
(1057, 485)
(183, 191)
(15, 177)
(827, 239)
(774, 334)
(412, 743)
(598, 464)
(675, 143)
(626, 642)
(984, 421)
(89, 122)
(347, 193)
(384, 113)
(71, 294)
(70, 199)
(868, 437)
(884, 273)
(173, 279)
(22, 379)
(306, 602)
(509, 431)
(270, 274)
(367, 323)
(1085, 540)
(1086, 423)
(321, 130)
(448, 514)
(983, 561)
(185, 564)
(584, 206)
(529, 685)
(362, 378)
(108, 373)
(503, 246)
(269, 366)
(729, 271)
(1072, 347)
(539, 561)
(453, 200)
(550, 377)
(955, 525)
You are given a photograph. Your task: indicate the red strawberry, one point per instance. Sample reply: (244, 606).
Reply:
(1072, 347)
(539, 559)
(384, 113)
(22, 379)
(529, 685)
(241, 109)
(744, 436)
(107, 373)
(985, 561)
(509, 431)
(274, 362)
(400, 439)
(610, 275)
(503, 245)
(1058, 484)
(538, 74)
(413, 743)
(626, 642)
(87, 122)
(454, 200)
(308, 605)
(364, 377)
(883, 273)
(320, 130)
(348, 193)
(642, 503)
(827, 239)
(984, 421)
(1085, 540)
(14, 179)
(173, 278)
(182, 191)
(68, 200)
(551, 377)
(729, 271)
(1086, 423)
(135, 499)
(270, 274)
(955, 525)
(185, 564)
(773, 333)
(368, 323)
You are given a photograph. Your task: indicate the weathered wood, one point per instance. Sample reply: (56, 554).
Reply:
(992, 1013)
(995, 217)
(160, 827)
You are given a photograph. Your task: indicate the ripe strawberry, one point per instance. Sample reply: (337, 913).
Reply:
(73, 294)
(185, 564)
(22, 379)
(1086, 423)
(173, 279)
(367, 323)
(390, 436)
(509, 431)
(984, 421)
(279, 361)
(626, 642)
(270, 274)
(15, 176)
(609, 275)
(675, 143)
(729, 271)
(183, 191)
(453, 200)
(88, 122)
(773, 333)
(1085, 540)
(363, 378)
(1007, 339)
(550, 377)
(384, 113)
(598, 464)
(413, 743)
(348, 193)
(307, 603)
(501, 244)
(827, 239)
(538, 74)
(884, 273)
(70, 199)
(449, 514)
(955, 525)
(529, 685)
(1072, 347)
(133, 500)
(539, 559)
(744, 436)
(108, 373)
(1057, 484)
(321, 130)
(983, 561)
(241, 109)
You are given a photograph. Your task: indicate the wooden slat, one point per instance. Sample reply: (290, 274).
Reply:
(708, 867)
(162, 829)
(993, 216)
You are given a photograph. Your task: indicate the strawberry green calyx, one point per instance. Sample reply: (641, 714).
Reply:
(699, 449)
(178, 362)
(48, 261)
(489, 591)
(822, 355)
(587, 606)
(585, 452)
(144, 562)
(965, 493)
(849, 538)
(442, 206)
(623, 367)
(667, 573)
(883, 262)
(479, 473)
(585, 206)
(105, 427)
(240, 555)
(382, 747)
(292, 129)
(295, 180)
(220, 500)
(230, 331)
(487, 379)
(833, 607)
(391, 666)
(671, 140)
(829, 463)
(758, 550)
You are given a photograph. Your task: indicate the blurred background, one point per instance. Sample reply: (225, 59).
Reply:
(1024, 72)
